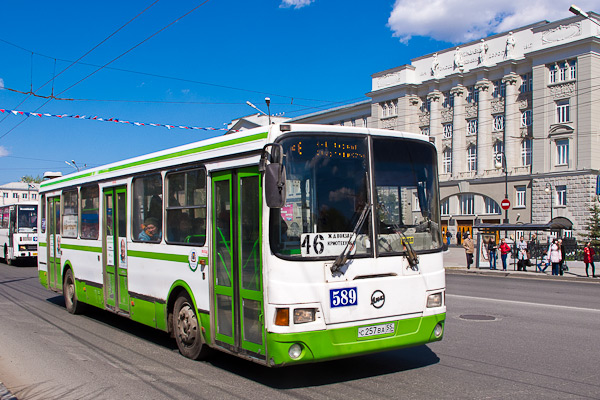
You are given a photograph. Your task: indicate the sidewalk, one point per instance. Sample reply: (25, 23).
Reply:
(455, 261)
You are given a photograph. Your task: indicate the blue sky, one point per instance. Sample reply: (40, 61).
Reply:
(305, 55)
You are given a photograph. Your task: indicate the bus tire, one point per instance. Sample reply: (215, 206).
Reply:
(8, 260)
(71, 303)
(187, 330)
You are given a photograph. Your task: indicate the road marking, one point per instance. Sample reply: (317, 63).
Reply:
(524, 302)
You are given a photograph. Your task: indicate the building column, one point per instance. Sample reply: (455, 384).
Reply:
(484, 132)
(459, 131)
(512, 117)
(435, 121)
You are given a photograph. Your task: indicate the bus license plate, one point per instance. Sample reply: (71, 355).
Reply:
(374, 330)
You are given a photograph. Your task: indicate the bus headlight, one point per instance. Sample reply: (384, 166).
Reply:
(434, 300)
(22, 247)
(304, 315)
(295, 351)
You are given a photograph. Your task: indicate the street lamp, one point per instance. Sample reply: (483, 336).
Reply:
(268, 101)
(578, 11)
(548, 189)
(501, 163)
(74, 165)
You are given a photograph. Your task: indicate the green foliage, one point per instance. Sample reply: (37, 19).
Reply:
(592, 227)
(31, 179)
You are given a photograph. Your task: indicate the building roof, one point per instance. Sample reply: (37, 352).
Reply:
(20, 186)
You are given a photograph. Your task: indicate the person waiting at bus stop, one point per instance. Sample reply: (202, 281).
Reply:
(588, 258)
(151, 231)
(555, 257)
(504, 250)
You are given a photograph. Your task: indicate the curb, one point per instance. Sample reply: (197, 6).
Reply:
(520, 275)
(5, 394)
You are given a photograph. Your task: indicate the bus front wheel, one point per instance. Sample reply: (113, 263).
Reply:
(71, 303)
(187, 330)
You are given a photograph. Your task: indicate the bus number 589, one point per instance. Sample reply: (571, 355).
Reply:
(343, 297)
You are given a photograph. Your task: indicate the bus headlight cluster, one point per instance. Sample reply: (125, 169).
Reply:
(22, 247)
(304, 315)
(295, 351)
(434, 300)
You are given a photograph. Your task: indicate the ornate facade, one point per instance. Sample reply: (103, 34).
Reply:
(515, 114)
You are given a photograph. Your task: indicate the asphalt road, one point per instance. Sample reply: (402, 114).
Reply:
(505, 339)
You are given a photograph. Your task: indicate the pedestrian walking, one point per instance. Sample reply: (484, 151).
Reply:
(504, 250)
(491, 246)
(448, 237)
(469, 249)
(555, 257)
(588, 258)
(458, 238)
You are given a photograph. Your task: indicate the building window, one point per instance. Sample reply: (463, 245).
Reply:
(491, 207)
(562, 111)
(471, 127)
(498, 151)
(498, 122)
(425, 131)
(526, 83)
(521, 192)
(472, 94)
(389, 108)
(472, 158)
(447, 161)
(15, 195)
(573, 69)
(448, 100)
(448, 131)
(445, 207)
(553, 72)
(24, 195)
(353, 122)
(499, 89)
(467, 204)
(526, 152)
(33, 196)
(562, 152)
(364, 122)
(341, 123)
(526, 118)
(564, 70)
(425, 105)
(561, 195)
(5, 195)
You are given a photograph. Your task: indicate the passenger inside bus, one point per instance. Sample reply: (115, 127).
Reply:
(150, 231)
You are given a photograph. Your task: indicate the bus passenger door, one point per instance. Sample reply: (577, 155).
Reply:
(53, 240)
(237, 266)
(114, 248)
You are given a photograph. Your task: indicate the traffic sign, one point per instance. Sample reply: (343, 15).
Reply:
(505, 204)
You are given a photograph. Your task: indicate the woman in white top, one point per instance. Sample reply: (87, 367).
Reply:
(555, 257)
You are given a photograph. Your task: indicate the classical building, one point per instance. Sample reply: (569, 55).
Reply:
(17, 192)
(516, 114)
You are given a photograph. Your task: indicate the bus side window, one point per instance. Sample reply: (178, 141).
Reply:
(186, 207)
(147, 208)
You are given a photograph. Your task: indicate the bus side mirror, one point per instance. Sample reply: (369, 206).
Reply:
(274, 175)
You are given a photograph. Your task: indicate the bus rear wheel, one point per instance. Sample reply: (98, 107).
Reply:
(71, 303)
(187, 330)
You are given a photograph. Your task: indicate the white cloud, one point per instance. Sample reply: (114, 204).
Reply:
(295, 3)
(3, 151)
(459, 21)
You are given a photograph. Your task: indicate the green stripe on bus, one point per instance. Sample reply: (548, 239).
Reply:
(181, 153)
(82, 248)
(158, 256)
(42, 244)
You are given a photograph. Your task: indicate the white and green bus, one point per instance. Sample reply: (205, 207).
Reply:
(18, 231)
(284, 244)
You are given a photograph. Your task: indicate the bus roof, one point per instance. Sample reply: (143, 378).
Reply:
(243, 142)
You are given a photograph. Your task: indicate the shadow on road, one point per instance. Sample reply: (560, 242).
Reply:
(326, 373)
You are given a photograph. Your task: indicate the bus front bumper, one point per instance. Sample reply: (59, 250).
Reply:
(344, 342)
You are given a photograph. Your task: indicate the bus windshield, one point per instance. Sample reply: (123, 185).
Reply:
(27, 218)
(328, 185)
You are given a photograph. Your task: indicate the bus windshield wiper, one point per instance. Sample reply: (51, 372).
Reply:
(342, 258)
(411, 255)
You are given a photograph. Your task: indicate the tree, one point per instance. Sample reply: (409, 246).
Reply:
(592, 227)
(31, 179)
